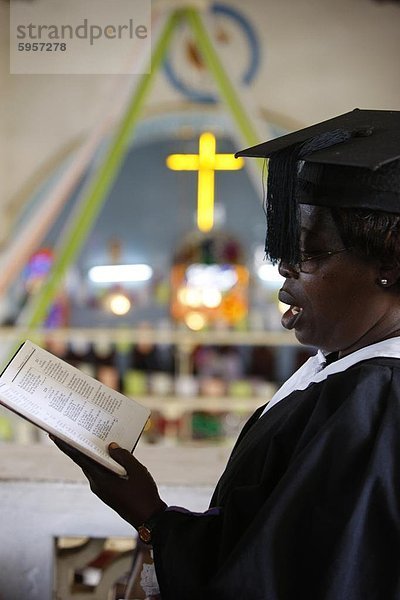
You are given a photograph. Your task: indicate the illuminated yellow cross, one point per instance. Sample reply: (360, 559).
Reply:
(205, 162)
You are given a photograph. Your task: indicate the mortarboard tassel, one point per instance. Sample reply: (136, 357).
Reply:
(282, 210)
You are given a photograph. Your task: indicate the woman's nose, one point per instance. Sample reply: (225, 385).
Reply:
(287, 270)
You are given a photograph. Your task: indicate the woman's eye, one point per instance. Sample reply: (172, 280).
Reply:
(311, 251)
(309, 254)
(306, 253)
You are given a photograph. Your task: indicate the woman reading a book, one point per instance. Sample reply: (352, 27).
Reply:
(309, 503)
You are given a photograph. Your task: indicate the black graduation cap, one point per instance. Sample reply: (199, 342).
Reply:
(352, 160)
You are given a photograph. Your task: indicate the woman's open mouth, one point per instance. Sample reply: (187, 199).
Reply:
(293, 314)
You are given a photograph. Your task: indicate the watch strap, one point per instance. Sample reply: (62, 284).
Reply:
(145, 530)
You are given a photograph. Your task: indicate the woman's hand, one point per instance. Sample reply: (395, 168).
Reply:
(134, 497)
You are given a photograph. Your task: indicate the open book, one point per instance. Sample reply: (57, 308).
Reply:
(73, 406)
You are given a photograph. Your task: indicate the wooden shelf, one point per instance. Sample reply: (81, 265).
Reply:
(174, 407)
(183, 338)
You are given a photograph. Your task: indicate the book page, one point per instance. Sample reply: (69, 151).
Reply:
(71, 404)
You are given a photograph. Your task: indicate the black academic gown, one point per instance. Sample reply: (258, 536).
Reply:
(309, 503)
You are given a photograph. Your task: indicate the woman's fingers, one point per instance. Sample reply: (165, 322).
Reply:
(134, 497)
(87, 464)
(126, 459)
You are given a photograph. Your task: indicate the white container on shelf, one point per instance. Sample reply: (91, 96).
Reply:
(161, 384)
(186, 386)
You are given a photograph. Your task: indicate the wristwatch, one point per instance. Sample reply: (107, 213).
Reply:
(145, 530)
